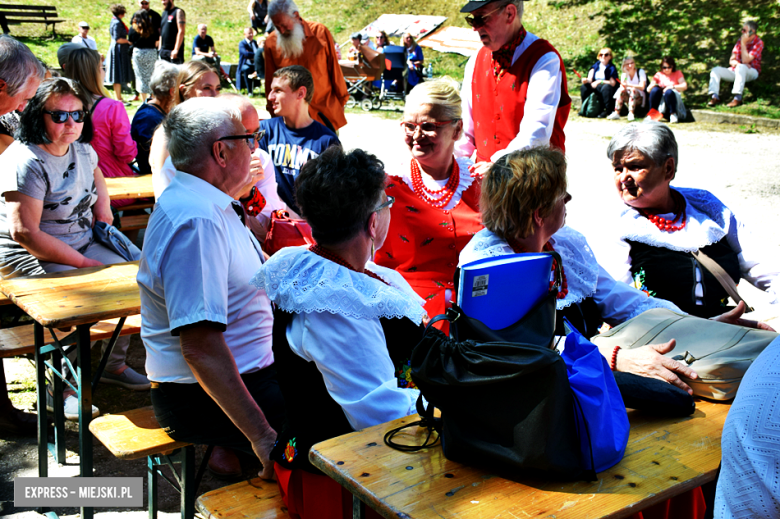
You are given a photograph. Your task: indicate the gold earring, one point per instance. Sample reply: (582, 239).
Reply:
(373, 252)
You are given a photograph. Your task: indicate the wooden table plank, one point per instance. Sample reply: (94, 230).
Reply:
(664, 458)
(130, 187)
(77, 296)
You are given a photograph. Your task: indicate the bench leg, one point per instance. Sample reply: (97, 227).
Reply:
(152, 486)
(358, 508)
(188, 489)
(40, 379)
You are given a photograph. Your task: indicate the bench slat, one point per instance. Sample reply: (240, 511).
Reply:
(20, 340)
(251, 499)
(133, 434)
(31, 15)
(6, 7)
(133, 222)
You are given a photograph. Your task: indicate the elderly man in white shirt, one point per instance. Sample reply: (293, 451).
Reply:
(207, 331)
(83, 37)
(514, 89)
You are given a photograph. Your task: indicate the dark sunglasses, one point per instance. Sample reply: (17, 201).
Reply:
(426, 127)
(479, 21)
(665, 67)
(605, 54)
(59, 117)
(251, 138)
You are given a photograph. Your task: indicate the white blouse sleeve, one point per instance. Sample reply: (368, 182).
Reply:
(619, 302)
(465, 146)
(352, 356)
(755, 262)
(615, 256)
(267, 187)
(541, 106)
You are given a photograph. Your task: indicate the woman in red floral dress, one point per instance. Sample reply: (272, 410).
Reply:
(436, 211)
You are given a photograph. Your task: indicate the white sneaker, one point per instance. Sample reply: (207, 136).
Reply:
(630, 116)
(673, 119)
(613, 116)
(71, 407)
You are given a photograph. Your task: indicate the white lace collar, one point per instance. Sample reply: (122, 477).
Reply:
(465, 179)
(579, 263)
(300, 281)
(708, 221)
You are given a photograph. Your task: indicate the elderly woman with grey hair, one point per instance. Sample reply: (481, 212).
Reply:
(164, 85)
(661, 228)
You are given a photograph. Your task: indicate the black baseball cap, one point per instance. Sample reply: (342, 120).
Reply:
(473, 5)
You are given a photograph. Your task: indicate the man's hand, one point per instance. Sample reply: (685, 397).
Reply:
(262, 448)
(735, 317)
(88, 262)
(649, 361)
(174, 53)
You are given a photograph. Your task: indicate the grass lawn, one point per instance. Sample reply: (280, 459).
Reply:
(699, 34)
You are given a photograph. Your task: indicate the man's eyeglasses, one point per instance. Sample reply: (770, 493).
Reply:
(388, 203)
(251, 138)
(479, 21)
(59, 117)
(605, 54)
(428, 127)
(747, 31)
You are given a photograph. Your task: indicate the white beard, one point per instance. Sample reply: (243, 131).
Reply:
(291, 46)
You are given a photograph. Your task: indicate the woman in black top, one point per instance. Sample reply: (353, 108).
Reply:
(143, 36)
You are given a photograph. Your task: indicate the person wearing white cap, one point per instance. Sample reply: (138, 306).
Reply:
(514, 89)
(83, 37)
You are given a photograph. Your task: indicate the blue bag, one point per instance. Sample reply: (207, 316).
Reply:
(113, 239)
(601, 414)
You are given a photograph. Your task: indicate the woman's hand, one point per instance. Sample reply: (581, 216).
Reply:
(88, 262)
(649, 361)
(735, 317)
(480, 169)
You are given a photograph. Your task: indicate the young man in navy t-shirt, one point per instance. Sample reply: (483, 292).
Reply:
(293, 137)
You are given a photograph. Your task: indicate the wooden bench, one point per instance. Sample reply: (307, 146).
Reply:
(136, 434)
(20, 340)
(257, 499)
(132, 222)
(12, 14)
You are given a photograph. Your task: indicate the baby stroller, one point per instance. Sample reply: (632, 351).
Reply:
(393, 86)
(359, 76)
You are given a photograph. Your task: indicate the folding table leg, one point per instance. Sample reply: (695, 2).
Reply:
(58, 449)
(40, 379)
(187, 482)
(84, 377)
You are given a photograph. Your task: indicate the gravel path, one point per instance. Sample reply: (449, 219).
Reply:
(740, 169)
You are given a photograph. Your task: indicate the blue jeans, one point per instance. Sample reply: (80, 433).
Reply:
(670, 100)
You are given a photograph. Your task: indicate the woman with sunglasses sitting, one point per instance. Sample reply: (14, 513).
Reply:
(437, 200)
(602, 78)
(342, 326)
(53, 192)
(666, 86)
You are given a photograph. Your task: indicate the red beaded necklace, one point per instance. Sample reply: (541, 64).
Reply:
(564, 290)
(440, 197)
(335, 258)
(664, 224)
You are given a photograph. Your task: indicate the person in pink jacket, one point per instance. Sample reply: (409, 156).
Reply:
(112, 142)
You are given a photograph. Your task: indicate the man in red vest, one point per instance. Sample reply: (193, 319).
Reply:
(514, 89)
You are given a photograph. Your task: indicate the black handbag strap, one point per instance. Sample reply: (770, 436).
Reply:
(427, 421)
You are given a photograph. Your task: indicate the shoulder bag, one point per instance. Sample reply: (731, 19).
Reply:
(719, 353)
(113, 239)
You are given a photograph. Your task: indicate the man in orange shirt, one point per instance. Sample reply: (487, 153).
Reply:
(309, 44)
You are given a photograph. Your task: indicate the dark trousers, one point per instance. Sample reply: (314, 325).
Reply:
(189, 414)
(260, 63)
(670, 100)
(606, 92)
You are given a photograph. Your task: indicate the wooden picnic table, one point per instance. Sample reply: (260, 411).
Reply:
(130, 187)
(79, 298)
(665, 457)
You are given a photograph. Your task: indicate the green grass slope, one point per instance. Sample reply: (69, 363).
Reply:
(698, 34)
